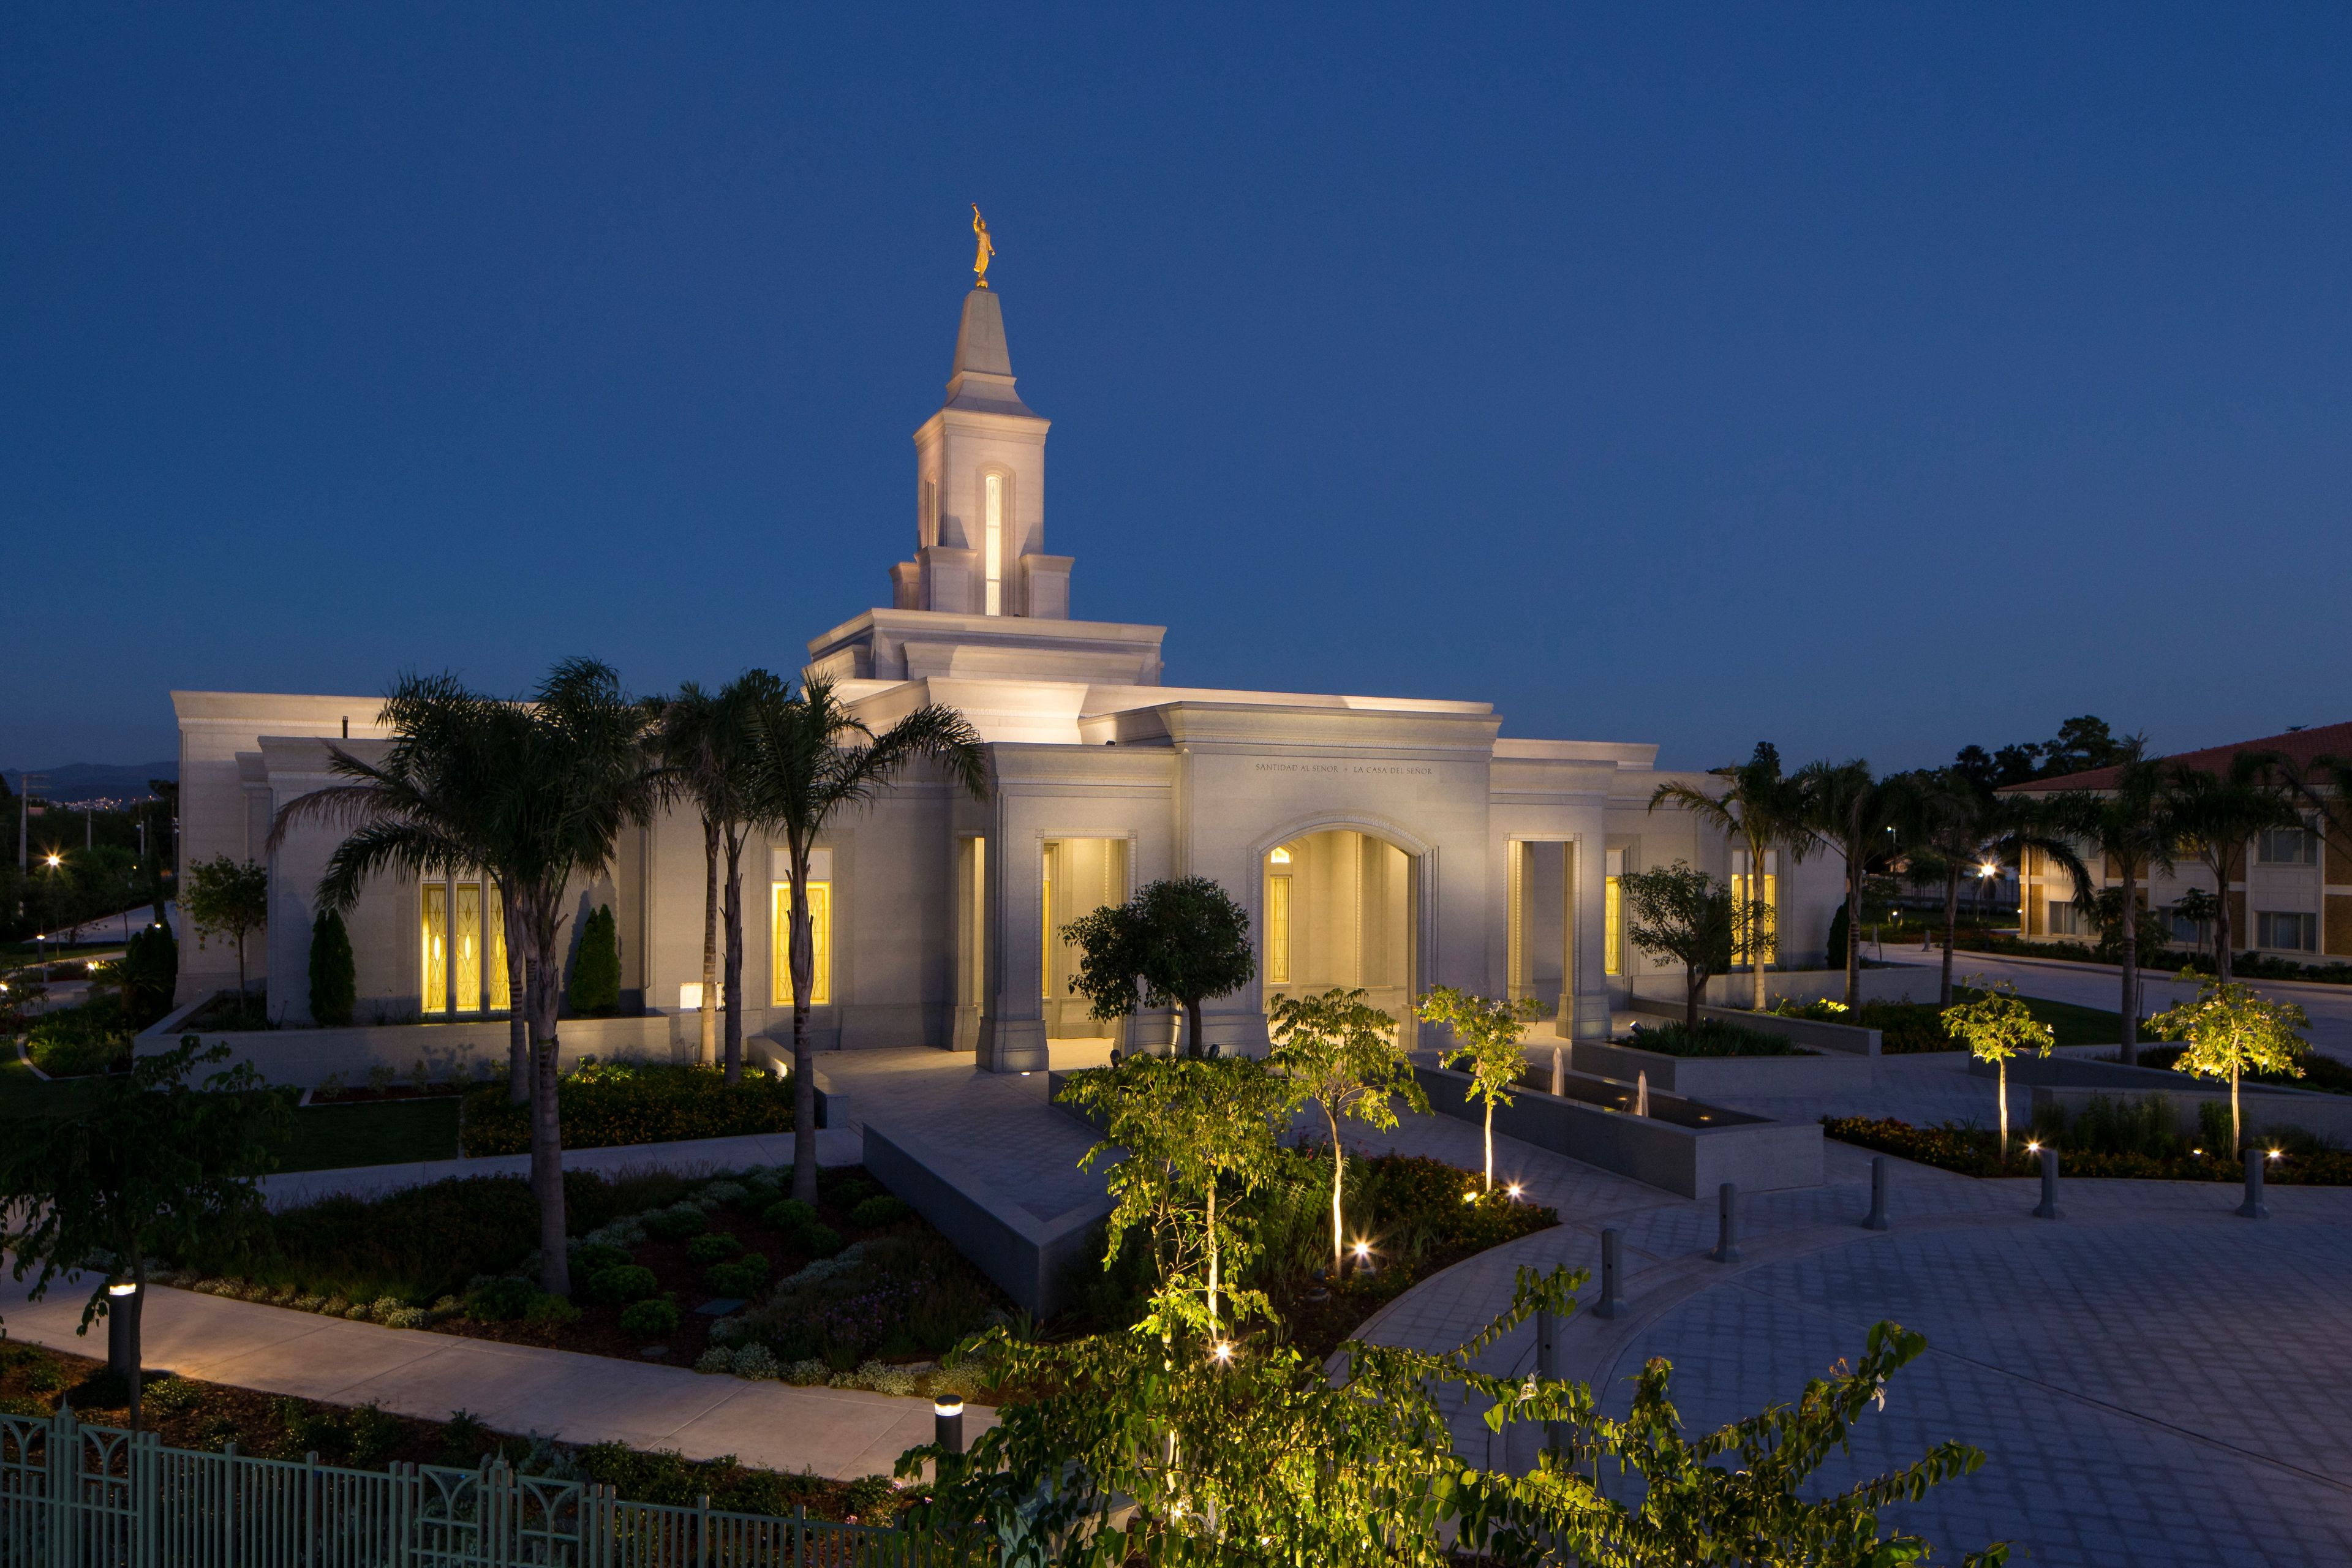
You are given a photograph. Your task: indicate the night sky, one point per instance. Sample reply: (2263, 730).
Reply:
(1875, 380)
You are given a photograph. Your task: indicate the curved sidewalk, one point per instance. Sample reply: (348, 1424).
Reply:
(835, 1432)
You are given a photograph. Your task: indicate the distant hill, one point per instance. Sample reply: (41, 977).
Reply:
(96, 780)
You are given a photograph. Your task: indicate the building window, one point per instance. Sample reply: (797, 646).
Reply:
(462, 948)
(2288, 846)
(820, 942)
(2065, 918)
(2283, 931)
(435, 933)
(992, 556)
(1612, 916)
(1769, 894)
(1045, 926)
(1277, 925)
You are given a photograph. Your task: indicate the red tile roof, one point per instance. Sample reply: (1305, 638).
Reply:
(2298, 746)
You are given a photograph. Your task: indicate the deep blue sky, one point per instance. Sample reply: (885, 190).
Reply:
(1877, 379)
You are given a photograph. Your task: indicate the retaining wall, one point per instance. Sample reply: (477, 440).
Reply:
(1847, 1039)
(305, 1058)
(1031, 1260)
(1759, 1156)
(1705, 1078)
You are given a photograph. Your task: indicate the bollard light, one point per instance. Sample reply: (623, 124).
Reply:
(2048, 1207)
(947, 1424)
(122, 1287)
(2253, 1208)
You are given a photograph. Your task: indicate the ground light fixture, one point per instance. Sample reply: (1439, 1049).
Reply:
(1514, 1189)
(1221, 1352)
(1363, 1250)
(56, 860)
(122, 1287)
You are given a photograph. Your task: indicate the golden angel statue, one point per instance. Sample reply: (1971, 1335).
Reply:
(986, 251)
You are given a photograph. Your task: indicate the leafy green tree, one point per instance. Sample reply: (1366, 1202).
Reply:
(1341, 1052)
(1847, 807)
(1186, 1138)
(810, 757)
(146, 1164)
(1181, 942)
(1766, 811)
(1994, 1028)
(2214, 816)
(2231, 1029)
(228, 899)
(1678, 913)
(536, 793)
(151, 972)
(596, 989)
(1486, 1032)
(1165, 1445)
(334, 978)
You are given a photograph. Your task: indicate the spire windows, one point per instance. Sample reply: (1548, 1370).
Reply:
(993, 548)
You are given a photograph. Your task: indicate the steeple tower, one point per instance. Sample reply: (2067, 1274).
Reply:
(979, 490)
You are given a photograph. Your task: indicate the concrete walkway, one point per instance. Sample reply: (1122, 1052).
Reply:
(839, 1433)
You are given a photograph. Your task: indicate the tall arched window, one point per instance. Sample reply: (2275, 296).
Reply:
(992, 550)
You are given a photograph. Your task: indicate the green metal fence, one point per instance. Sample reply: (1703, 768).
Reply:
(95, 1497)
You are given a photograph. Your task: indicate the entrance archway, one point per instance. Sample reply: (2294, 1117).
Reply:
(1339, 911)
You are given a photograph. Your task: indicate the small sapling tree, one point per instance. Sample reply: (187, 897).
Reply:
(149, 1165)
(1198, 1134)
(1181, 942)
(1340, 1051)
(1994, 1028)
(2231, 1030)
(1679, 914)
(1485, 1043)
(226, 897)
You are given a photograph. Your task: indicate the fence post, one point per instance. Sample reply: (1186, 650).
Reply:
(2048, 1207)
(1612, 1295)
(1878, 1219)
(800, 1518)
(1726, 1224)
(702, 1531)
(64, 1455)
(2253, 1208)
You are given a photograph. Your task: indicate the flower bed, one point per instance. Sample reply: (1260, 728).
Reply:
(606, 1104)
(1713, 1038)
(459, 1257)
(2325, 1074)
(187, 1414)
(1972, 1151)
(77, 1042)
(2242, 966)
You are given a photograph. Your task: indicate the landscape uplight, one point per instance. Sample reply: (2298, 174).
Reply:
(2032, 1148)
(1513, 1191)
(2278, 1154)
(1363, 1250)
(1221, 1352)
(55, 859)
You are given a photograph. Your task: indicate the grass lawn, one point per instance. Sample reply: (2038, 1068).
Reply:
(22, 1094)
(377, 1133)
(2074, 1025)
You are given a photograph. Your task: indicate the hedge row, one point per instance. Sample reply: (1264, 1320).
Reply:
(603, 1105)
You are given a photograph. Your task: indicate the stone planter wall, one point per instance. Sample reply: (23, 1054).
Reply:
(1849, 1039)
(304, 1059)
(1712, 1078)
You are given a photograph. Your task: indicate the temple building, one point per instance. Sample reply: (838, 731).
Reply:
(1389, 842)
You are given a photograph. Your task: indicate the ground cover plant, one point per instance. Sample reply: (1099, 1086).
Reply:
(77, 1042)
(1709, 1038)
(1909, 1028)
(647, 1250)
(2242, 965)
(606, 1104)
(2105, 1140)
(188, 1414)
(2325, 1074)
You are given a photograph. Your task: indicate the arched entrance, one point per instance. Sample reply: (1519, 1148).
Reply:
(1339, 909)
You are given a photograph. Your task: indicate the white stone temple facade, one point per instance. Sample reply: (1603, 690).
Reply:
(1389, 842)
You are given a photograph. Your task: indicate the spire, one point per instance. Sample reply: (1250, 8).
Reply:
(981, 377)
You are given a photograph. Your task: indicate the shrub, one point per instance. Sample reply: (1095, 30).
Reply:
(596, 991)
(712, 1246)
(595, 1257)
(650, 1319)
(151, 972)
(849, 1191)
(678, 1222)
(877, 1212)
(722, 1192)
(743, 1276)
(609, 1104)
(754, 1361)
(790, 1214)
(629, 1282)
(869, 1497)
(547, 1310)
(821, 1240)
(334, 983)
(1713, 1038)
(715, 1359)
(76, 1042)
(501, 1300)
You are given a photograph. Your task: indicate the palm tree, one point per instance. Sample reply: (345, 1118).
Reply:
(1846, 808)
(810, 757)
(534, 792)
(705, 740)
(2130, 828)
(2216, 814)
(1950, 822)
(682, 735)
(1766, 810)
